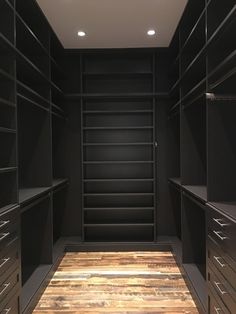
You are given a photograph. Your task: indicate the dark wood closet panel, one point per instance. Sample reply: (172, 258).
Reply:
(202, 167)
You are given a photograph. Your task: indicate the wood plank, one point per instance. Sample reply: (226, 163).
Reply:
(117, 282)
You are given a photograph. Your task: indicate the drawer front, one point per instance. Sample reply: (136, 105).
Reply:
(9, 284)
(222, 288)
(224, 264)
(13, 307)
(215, 305)
(8, 217)
(10, 233)
(223, 231)
(10, 257)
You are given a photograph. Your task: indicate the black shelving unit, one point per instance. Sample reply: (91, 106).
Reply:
(201, 166)
(118, 148)
(8, 164)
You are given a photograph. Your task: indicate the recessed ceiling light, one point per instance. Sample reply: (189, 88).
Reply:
(151, 32)
(81, 33)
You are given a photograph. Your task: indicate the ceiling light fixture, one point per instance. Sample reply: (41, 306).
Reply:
(151, 32)
(81, 34)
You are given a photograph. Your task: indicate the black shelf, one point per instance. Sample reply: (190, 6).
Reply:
(118, 128)
(118, 194)
(9, 169)
(199, 191)
(118, 162)
(58, 182)
(29, 194)
(119, 208)
(117, 74)
(176, 181)
(111, 95)
(117, 111)
(119, 180)
(118, 144)
(120, 225)
(118, 135)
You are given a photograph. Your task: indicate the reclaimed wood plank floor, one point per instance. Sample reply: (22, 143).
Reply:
(117, 283)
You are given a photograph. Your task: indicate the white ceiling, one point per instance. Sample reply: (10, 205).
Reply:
(113, 23)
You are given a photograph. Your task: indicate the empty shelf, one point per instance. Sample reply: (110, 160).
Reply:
(199, 191)
(118, 208)
(8, 169)
(176, 181)
(27, 194)
(58, 182)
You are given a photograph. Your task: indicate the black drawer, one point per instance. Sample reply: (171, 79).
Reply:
(13, 307)
(10, 257)
(9, 283)
(222, 261)
(9, 216)
(223, 289)
(215, 305)
(223, 231)
(10, 233)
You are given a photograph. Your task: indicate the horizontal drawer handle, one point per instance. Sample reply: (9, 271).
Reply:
(217, 258)
(4, 235)
(217, 284)
(219, 235)
(5, 286)
(4, 223)
(220, 223)
(217, 310)
(5, 260)
(6, 311)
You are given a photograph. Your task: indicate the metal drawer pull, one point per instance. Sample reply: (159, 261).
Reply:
(217, 233)
(4, 235)
(6, 285)
(5, 260)
(7, 310)
(3, 223)
(217, 310)
(219, 222)
(217, 258)
(217, 284)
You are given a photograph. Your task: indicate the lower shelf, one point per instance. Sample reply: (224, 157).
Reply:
(33, 284)
(119, 232)
(27, 194)
(198, 282)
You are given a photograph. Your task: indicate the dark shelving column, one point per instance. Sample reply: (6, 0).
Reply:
(221, 101)
(205, 117)
(118, 136)
(188, 143)
(8, 164)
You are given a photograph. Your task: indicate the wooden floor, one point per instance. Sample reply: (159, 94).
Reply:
(133, 282)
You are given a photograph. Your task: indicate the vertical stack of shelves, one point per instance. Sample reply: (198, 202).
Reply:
(221, 100)
(118, 159)
(58, 127)
(8, 164)
(32, 103)
(173, 138)
(9, 211)
(207, 128)
(34, 145)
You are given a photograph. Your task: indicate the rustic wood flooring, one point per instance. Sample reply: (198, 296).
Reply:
(115, 283)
